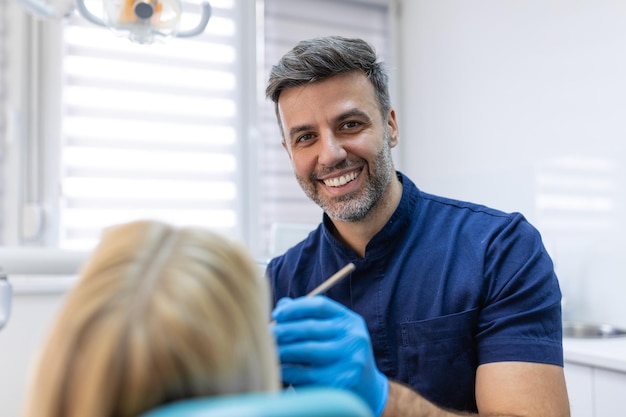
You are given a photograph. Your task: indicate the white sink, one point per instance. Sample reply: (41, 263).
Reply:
(582, 330)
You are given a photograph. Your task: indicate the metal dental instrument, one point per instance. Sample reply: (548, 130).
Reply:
(326, 285)
(337, 276)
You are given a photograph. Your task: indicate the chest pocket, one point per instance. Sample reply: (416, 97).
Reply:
(438, 359)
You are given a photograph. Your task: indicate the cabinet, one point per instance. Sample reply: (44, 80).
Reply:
(609, 390)
(579, 379)
(595, 392)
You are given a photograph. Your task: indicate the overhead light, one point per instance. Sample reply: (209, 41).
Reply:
(144, 21)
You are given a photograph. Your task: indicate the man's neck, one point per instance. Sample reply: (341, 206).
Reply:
(357, 234)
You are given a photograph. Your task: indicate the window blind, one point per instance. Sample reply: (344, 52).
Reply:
(149, 131)
(286, 22)
(179, 131)
(152, 132)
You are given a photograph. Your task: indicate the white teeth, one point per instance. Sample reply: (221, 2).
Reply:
(338, 182)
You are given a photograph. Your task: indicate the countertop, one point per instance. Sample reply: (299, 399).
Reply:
(609, 353)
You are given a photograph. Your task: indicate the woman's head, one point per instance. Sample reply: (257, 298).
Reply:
(158, 314)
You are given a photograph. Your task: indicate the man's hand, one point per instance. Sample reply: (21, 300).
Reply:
(320, 342)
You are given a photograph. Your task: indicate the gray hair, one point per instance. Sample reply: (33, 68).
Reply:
(317, 59)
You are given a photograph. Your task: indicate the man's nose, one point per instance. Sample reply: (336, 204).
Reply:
(331, 150)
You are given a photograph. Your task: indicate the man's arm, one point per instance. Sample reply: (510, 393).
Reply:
(521, 389)
(402, 401)
(503, 389)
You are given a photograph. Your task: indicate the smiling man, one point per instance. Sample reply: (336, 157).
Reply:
(453, 309)
(340, 145)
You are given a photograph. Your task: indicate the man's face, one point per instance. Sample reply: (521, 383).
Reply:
(338, 144)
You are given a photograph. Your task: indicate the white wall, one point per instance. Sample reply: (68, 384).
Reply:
(40, 279)
(35, 303)
(520, 105)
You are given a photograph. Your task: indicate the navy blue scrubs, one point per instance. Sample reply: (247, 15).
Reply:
(444, 287)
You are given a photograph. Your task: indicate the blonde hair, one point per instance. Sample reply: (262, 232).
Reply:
(158, 314)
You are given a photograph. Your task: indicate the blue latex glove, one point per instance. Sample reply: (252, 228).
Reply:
(321, 342)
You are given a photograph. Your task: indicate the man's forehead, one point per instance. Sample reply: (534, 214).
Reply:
(337, 94)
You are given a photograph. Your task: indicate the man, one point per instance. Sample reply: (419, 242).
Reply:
(453, 308)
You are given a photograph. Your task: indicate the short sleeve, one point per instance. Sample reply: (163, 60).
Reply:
(521, 318)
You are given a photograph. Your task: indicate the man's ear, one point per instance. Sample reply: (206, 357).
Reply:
(392, 126)
(286, 148)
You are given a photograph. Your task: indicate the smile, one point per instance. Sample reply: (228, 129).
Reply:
(343, 180)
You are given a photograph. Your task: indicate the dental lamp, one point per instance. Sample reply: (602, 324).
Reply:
(143, 20)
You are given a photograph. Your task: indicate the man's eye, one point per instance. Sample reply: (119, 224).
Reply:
(304, 138)
(351, 125)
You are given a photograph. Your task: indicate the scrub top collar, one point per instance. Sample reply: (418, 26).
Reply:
(384, 242)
